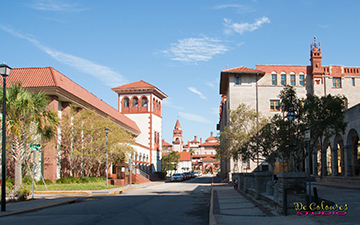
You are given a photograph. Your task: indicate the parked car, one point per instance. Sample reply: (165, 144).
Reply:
(192, 174)
(187, 175)
(177, 177)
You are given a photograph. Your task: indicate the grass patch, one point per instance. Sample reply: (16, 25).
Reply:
(71, 183)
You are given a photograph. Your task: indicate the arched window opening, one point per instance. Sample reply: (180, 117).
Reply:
(144, 101)
(126, 102)
(135, 102)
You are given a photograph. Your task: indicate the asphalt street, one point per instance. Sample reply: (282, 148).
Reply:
(184, 202)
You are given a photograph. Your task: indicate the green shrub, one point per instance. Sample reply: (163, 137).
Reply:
(27, 180)
(23, 194)
(47, 182)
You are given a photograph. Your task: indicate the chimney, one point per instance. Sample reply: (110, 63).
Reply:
(200, 140)
(211, 134)
(195, 138)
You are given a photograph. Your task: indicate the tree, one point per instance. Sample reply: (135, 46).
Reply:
(84, 139)
(27, 120)
(234, 139)
(325, 117)
(170, 161)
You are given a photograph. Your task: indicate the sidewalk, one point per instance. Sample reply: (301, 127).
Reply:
(231, 207)
(44, 199)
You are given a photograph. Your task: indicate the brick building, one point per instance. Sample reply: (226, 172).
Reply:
(143, 119)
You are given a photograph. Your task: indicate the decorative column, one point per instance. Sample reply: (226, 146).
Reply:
(323, 161)
(315, 163)
(334, 161)
(347, 161)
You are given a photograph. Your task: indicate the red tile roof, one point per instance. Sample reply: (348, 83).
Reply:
(242, 69)
(211, 138)
(224, 77)
(185, 156)
(139, 87)
(165, 143)
(52, 82)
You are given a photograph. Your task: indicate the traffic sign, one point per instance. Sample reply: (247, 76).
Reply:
(35, 147)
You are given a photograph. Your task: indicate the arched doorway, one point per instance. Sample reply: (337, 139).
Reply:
(353, 140)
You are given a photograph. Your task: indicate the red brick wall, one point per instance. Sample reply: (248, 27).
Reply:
(50, 149)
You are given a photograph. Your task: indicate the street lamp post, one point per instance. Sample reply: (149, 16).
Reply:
(4, 71)
(106, 170)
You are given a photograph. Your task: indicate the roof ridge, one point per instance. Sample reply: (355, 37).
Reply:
(52, 74)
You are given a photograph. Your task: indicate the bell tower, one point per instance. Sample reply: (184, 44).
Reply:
(315, 59)
(177, 138)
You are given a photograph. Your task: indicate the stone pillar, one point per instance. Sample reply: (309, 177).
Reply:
(334, 162)
(347, 161)
(315, 167)
(248, 180)
(323, 161)
(261, 178)
(295, 185)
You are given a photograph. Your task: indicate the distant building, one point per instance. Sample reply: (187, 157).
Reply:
(202, 153)
(259, 88)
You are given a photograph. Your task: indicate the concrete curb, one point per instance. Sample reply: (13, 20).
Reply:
(73, 200)
(212, 218)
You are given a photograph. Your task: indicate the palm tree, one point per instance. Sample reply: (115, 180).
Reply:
(27, 120)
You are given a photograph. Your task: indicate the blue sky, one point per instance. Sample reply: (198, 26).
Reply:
(178, 46)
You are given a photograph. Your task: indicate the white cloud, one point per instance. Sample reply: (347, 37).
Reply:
(103, 73)
(243, 27)
(192, 89)
(195, 49)
(239, 8)
(52, 5)
(213, 84)
(169, 103)
(193, 117)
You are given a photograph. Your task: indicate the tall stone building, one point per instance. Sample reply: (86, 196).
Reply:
(259, 88)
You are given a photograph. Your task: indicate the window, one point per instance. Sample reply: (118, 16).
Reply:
(283, 79)
(336, 82)
(126, 102)
(144, 101)
(237, 80)
(292, 79)
(273, 79)
(353, 81)
(135, 102)
(302, 80)
(274, 105)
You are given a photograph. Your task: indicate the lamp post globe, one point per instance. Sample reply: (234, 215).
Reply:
(4, 71)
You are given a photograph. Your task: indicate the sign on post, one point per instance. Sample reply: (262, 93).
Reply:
(130, 164)
(35, 147)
